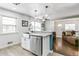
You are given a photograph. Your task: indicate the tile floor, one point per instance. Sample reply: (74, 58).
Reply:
(17, 50)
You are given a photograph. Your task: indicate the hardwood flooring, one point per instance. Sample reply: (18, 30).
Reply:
(65, 49)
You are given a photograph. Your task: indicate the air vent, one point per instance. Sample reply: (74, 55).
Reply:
(10, 42)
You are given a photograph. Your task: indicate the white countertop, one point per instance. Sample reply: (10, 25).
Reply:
(41, 34)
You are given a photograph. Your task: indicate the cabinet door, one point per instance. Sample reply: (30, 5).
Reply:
(38, 46)
(46, 46)
(27, 44)
(23, 42)
(33, 44)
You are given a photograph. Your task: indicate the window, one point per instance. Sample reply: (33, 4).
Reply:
(78, 27)
(9, 24)
(35, 26)
(69, 26)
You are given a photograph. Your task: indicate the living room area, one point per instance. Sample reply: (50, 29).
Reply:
(67, 37)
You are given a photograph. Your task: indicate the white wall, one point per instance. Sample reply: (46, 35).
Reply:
(52, 26)
(60, 29)
(14, 37)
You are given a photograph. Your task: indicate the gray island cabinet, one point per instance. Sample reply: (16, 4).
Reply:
(40, 43)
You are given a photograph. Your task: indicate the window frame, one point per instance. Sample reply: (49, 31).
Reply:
(35, 26)
(70, 27)
(9, 25)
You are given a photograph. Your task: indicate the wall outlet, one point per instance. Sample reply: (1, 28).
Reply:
(10, 42)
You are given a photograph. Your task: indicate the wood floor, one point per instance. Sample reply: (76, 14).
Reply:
(65, 49)
(17, 50)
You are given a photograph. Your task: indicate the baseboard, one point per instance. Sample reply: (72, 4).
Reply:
(5, 46)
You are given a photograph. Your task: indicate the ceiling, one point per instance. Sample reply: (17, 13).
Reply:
(54, 10)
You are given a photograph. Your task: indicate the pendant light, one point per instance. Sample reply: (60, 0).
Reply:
(35, 14)
(45, 16)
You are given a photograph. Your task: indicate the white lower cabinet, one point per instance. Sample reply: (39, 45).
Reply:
(25, 43)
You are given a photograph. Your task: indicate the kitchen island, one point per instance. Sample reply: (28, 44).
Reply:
(42, 43)
(39, 43)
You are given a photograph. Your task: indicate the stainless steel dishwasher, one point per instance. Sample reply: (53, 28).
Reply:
(36, 45)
